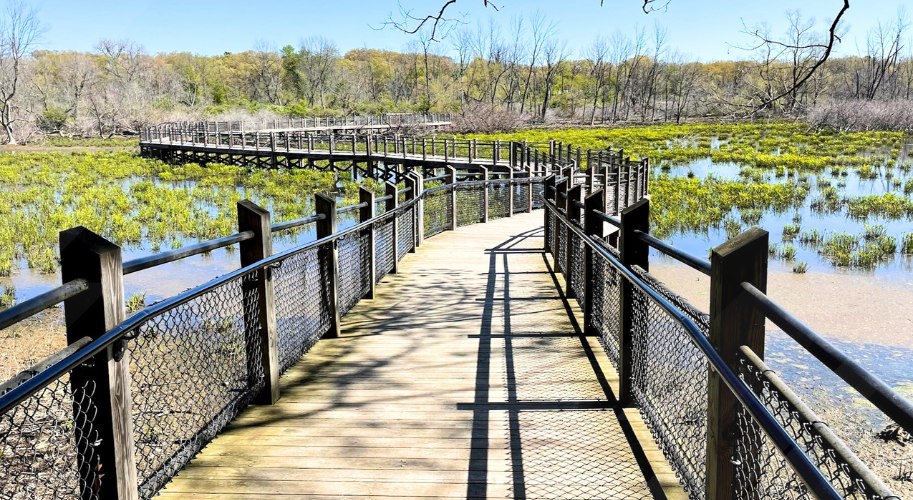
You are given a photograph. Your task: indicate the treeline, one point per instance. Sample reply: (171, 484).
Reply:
(525, 72)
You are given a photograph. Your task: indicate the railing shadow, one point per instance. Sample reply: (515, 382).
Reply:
(527, 414)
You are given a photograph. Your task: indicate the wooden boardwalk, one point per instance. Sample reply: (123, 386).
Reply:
(466, 377)
(341, 155)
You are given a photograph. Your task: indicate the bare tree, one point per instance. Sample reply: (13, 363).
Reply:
(318, 59)
(554, 53)
(19, 29)
(883, 46)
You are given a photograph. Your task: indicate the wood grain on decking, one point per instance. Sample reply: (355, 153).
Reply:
(466, 377)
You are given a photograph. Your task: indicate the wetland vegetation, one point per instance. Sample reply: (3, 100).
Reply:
(844, 199)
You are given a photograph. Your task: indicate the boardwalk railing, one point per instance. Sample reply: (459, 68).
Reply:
(728, 425)
(352, 122)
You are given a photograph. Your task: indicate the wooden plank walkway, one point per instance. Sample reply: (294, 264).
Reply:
(466, 377)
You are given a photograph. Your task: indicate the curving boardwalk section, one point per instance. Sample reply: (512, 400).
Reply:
(466, 377)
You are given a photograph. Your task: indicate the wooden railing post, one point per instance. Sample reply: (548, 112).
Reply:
(591, 171)
(390, 205)
(413, 186)
(645, 186)
(510, 192)
(561, 203)
(419, 208)
(86, 255)
(326, 206)
(366, 213)
(548, 192)
(633, 252)
(529, 192)
(734, 322)
(594, 227)
(263, 350)
(451, 179)
(486, 196)
(573, 213)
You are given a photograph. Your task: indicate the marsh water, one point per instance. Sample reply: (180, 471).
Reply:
(898, 269)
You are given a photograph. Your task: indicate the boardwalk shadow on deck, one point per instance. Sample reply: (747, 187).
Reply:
(555, 408)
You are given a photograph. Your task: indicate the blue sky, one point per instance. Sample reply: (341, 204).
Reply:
(705, 30)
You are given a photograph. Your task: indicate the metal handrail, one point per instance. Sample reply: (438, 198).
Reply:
(871, 387)
(615, 221)
(38, 303)
(350, 208)
(702, 265)
(141, 263)
(805, 469)
(282, 226)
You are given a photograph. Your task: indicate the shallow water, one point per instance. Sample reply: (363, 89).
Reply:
(818, 386)
(899, 268)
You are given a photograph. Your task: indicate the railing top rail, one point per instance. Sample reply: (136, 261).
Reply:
(35, 305)
(873, 389)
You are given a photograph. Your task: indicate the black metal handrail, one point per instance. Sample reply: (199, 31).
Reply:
(436, 178)
(871, 387)
(805, 469)
(282, 226)
(702, 265)
(615, 221)
(38, 303)
(141, 263)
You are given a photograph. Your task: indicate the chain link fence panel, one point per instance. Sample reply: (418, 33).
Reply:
(669, 383)
(354, 254)
(406, 221)
(48, 442)
(606, 309)
(383, 247)
(438, 211)
(470, 203)
(193, 368)
(499, 199)
(761, 469)
(302, 304)
(521, 190)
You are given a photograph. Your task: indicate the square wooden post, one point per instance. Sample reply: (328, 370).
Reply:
(451, 179)
(510, 192)
(413, 186)
(594, 227)
(734, 322)
(561, 203)
(390, 206)
(419, 208)
(633, 252)
(573, 213)
(86, 255)
(366, 213)
(486, 195)
(549, 193)
(529, 192)
(329, 257)
(260, 331)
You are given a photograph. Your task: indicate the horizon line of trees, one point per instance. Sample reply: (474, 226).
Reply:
(526, 72)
